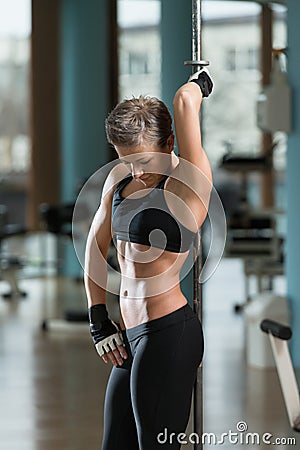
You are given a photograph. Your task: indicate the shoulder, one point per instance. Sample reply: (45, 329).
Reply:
(115, 176)
(103, 214)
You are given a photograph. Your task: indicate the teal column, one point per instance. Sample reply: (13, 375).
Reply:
(84, 96)
(84, 87)
(293, 181)
(176, 41)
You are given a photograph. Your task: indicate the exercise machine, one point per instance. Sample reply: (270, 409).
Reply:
(252, 233)
(254, 238)
(279, 335)
(57, 220)
(10, 264)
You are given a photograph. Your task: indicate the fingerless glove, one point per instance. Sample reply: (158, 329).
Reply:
(204, 81)
(105, 334)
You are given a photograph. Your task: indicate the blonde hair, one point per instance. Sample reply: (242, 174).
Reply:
(137, 121)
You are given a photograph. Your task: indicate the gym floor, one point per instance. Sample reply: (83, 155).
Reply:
(52, 383)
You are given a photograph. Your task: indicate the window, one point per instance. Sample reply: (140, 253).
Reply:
(139, 47)
(231, 41)
(230, 61)
(242, 59)
(134, 63)
(14, 86)
(138, 63)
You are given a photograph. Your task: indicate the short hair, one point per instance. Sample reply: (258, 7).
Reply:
(137, 121)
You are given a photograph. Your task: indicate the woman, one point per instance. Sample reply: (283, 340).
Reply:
(153, 204)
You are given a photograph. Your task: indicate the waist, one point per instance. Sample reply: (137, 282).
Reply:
(136, 310)
(181, 314)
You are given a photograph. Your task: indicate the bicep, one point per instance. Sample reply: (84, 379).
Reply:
(95, 263)
(100, 231)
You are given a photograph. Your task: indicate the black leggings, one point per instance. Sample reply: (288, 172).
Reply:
(151, 392)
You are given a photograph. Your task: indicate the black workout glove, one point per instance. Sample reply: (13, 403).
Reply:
(105, 334)
(204, 81)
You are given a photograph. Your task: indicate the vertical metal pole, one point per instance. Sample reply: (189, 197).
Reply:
(197, 64)
(198, 388)
(196, 33)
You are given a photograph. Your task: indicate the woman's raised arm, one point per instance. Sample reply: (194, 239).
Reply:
(194, 169)
(187, 106)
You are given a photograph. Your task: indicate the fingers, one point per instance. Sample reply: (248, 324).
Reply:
(122, 351)
(196, 74)
(204, 81)
(115, 356)
(105, 358)
(112, 349)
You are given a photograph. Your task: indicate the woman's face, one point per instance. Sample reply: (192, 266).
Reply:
(145, 163)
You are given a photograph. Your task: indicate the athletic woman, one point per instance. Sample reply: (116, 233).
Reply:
(153, 204)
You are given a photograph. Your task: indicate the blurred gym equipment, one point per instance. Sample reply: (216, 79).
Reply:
(10, 264)
(279, 334)
(58, 221)
(252, 234)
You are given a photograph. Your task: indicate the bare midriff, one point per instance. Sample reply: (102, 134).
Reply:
(150, 282)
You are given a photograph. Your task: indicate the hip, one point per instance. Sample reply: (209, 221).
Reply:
(179, 331)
